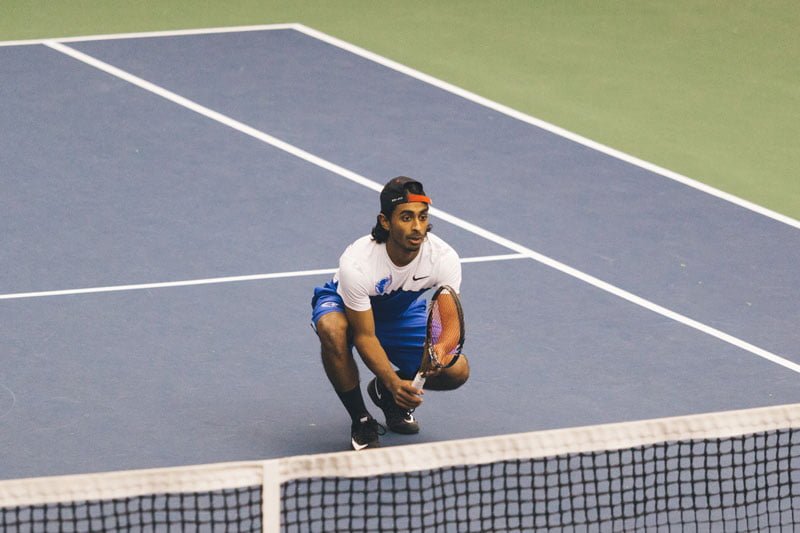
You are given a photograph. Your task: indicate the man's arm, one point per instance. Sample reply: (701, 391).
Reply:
(369, 347)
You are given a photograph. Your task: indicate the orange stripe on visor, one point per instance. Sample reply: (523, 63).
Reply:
(417, 198)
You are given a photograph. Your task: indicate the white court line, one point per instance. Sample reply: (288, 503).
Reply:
(556, 130)
(458, 91)
(487, 258)
(361, 180)
(212, 281)
(213, 115)
(148, 34)
(166, 284)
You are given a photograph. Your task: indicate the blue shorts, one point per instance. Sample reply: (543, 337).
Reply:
(402, 338)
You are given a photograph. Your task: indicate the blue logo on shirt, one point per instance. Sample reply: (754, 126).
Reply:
(382, 284)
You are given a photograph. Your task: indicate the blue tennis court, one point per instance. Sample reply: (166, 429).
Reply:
(169, 201)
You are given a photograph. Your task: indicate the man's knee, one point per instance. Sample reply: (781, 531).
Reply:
(460, 373)
(451, 378)
(333, 333)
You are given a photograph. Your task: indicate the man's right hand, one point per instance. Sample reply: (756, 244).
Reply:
(405, 395)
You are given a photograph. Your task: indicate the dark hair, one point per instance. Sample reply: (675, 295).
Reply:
(379, 234)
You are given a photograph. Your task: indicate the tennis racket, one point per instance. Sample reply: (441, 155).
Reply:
(445, 334)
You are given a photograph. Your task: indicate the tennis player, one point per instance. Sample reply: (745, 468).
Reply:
(373, 303)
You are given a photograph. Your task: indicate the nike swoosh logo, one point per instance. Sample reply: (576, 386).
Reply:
(415, 278)
(356, 446)
(378, 391)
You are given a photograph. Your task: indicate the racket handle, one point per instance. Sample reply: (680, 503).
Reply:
(419, 381)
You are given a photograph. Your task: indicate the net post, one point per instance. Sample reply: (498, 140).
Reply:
(270, 497)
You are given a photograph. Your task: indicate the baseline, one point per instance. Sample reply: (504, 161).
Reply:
(149, 34)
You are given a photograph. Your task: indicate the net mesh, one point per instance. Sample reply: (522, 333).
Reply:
(722, 472)
(225, 510)
(745, 484)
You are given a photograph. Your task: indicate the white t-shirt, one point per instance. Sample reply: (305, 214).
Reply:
(367, 278)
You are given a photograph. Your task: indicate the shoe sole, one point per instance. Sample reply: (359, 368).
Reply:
(358, 447)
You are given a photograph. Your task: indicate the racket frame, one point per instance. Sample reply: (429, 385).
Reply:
(429, 359)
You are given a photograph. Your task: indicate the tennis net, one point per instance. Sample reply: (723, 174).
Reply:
(728, 471)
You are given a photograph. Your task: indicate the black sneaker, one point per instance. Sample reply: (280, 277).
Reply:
(365, 433)
(398, 419)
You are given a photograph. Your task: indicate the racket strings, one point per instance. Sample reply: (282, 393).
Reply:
(445, 332)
